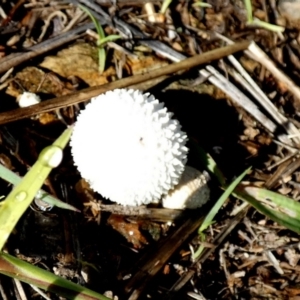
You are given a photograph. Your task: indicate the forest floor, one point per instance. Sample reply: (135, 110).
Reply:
(49, 48)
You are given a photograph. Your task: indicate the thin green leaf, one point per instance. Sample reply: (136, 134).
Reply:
(98, 26)
(248, 7)
(290, 219)
(16, 268)
(210, 165)
(268, 26)
(287, 205)
(201, 4)
(100, 31)
(102, 59)
(164, 6)
(212, 213)
(280, 218)
(215, 209)
(14, 179)
(13, 207)
(109, 38)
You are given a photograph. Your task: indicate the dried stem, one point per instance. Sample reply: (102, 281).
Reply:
(88, 93)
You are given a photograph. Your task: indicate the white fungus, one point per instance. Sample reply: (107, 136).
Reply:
(28, 99)
(128, 148)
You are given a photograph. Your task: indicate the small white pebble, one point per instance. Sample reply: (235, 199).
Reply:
(27, 99)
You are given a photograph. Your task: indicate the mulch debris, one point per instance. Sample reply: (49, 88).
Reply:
(49, 48)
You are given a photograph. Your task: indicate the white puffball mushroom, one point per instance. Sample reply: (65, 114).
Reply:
(127, 146)
(28, 99)
(191, 192)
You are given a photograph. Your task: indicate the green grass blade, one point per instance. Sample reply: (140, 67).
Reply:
(215, 209)
(267, 26)
(248, 7)
(289, 209)
(280, 202)
(209, 163)
(13, 207)
(100, 31)
(16, 268)
(212, 213)
(109, 38)
(164, 6)
(201, 4)
(98, 26)
(279, 217)
(102, 59)
(14, 179)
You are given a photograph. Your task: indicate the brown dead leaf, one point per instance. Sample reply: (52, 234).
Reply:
(264, 140)
(129, 230)
(5, 161)
(177, 46)
(143, 64)
(251, 147)
(292, 257)
(251, 132)
(284, 190)
(32, 79)
(47, 118)
(84, 191)
(80, 60)
(215, 22)
(166, 270)
(293, 292)
(249, 64)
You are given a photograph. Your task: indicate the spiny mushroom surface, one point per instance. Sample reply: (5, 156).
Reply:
(128, 147)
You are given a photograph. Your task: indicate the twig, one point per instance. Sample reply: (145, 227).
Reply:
(275, 177)
(126, 2)
(88, 93)
(20, 289)
(150, 265)
(39, 291)
(3, 293)
(225, 85)
(257, 54)
(238, 97)
(273, 261)
(205, 254)
(284, 159)
(15, 59)
(129, 31)
(155, 214)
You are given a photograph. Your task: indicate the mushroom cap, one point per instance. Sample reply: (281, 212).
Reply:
(128, 148)
(191, 192)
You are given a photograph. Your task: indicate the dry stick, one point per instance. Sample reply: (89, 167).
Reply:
(205, 254)
(218, 80)
(160, 254)
(129, 31)
(242, 100)
(277, 175)
(258, 55)
(155, 214)
(88, 93)
(126, 2)
(15, 59)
